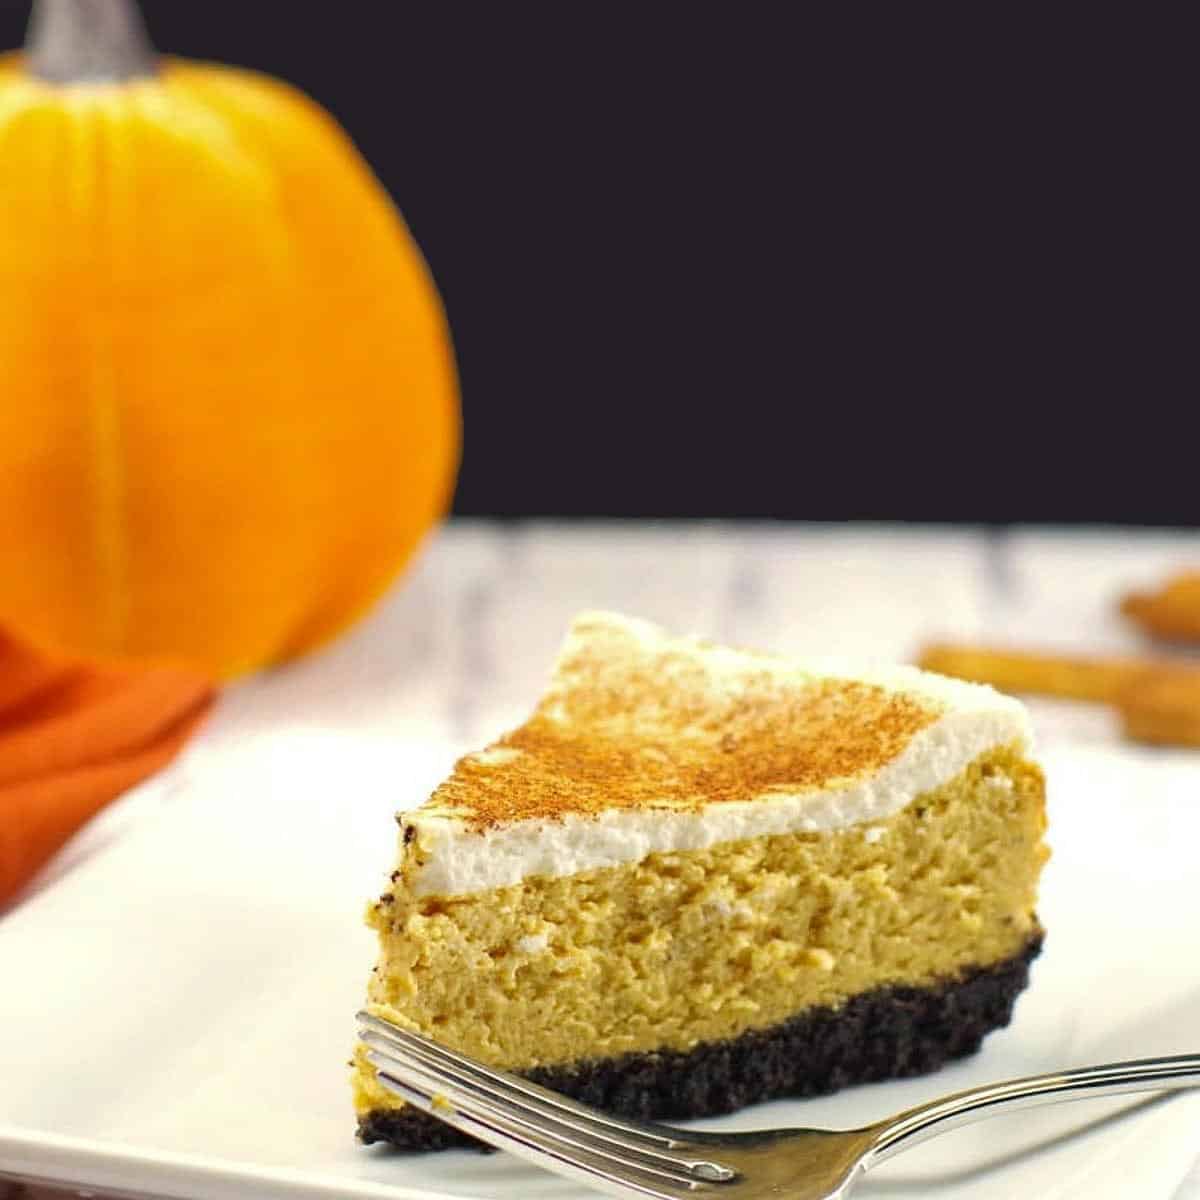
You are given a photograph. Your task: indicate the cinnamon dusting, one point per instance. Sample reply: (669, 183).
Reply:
(632, 723)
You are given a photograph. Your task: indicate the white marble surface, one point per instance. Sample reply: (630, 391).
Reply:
(462, 644)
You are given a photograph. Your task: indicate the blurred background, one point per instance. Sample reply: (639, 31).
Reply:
(749, 262)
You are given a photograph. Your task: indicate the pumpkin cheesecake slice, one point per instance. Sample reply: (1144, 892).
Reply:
(700, 877)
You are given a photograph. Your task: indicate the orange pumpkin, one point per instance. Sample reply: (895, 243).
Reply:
(228, 404)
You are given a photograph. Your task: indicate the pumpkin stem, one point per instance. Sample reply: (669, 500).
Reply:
(77, 41)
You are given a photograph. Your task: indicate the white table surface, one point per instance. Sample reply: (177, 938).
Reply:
(460, 647)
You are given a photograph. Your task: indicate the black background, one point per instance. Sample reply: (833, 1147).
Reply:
(894, 261)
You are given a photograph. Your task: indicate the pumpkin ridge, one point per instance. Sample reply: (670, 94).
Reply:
(214, 102)
(110, 557)
(186, 112)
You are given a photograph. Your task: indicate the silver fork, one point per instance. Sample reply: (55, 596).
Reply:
(625, 1158)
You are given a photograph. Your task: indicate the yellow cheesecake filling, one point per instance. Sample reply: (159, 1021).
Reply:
(705, 945)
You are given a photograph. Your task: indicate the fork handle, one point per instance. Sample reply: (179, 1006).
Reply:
(917, 1125)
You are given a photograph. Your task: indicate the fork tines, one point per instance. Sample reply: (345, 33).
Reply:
(531, 1121)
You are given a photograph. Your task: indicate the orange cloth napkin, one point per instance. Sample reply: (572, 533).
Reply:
(74, 736)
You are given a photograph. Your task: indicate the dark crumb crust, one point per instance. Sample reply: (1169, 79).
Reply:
(886, 1034)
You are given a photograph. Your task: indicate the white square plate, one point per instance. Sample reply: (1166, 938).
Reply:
(176, 1012)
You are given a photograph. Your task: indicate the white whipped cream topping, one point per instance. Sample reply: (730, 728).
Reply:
(460, 859)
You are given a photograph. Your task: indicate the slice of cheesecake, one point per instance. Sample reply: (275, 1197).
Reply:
(700, 877)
